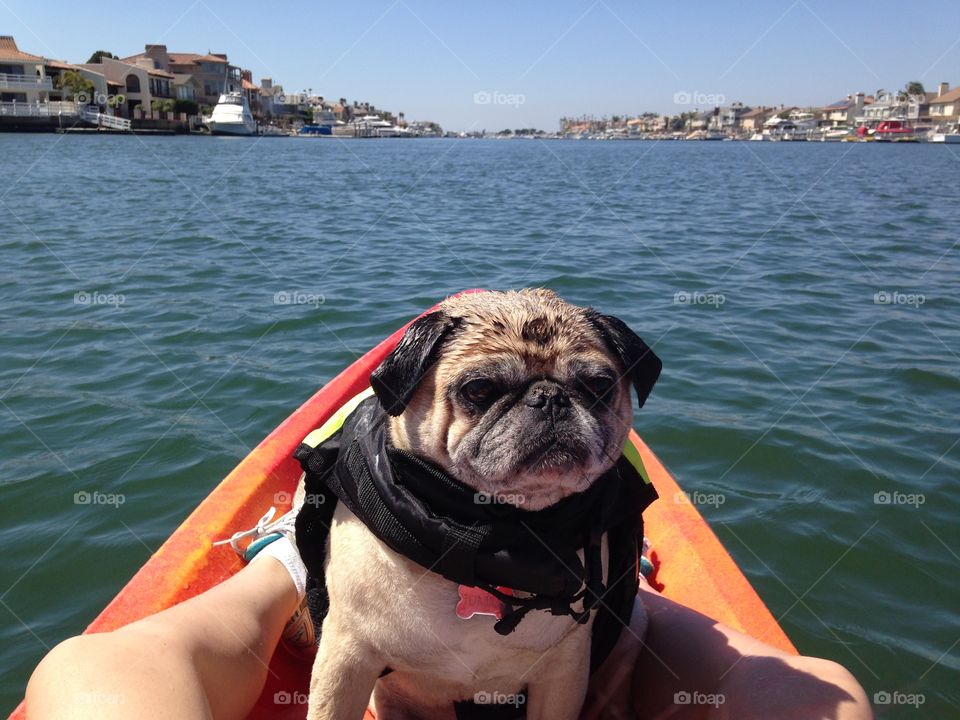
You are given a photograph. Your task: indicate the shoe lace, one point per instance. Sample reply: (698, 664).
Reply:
(266, 525)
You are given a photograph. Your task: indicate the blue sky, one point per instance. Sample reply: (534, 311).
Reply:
(536, 61)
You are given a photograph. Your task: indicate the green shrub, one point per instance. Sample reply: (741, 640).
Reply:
(186, 106)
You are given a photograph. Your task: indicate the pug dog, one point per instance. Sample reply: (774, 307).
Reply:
(517, 394)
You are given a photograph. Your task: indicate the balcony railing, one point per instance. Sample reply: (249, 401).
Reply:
(24, 82)
(38, 109)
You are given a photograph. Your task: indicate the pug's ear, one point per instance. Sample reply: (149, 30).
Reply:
(641, 363)
(397, 377)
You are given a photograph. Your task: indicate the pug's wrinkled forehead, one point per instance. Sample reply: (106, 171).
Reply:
(534, 326)
(528, 330)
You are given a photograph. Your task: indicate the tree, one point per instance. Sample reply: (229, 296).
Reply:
(914, 88)
(99, 55)
(72, 83)
(186, 106)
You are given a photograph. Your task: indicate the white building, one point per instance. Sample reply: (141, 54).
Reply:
(139, 84)
(23, 78)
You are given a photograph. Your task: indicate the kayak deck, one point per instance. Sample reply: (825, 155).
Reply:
(693, 568)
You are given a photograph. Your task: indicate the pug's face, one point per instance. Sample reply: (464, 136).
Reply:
(518, 394)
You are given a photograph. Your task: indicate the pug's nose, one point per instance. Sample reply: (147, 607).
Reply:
(547, 396)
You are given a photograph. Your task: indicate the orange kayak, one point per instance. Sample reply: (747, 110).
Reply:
(692, 567)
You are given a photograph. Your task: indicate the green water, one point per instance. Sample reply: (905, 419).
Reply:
(143, 352)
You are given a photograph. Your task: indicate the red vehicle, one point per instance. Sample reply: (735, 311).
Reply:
(894, 131)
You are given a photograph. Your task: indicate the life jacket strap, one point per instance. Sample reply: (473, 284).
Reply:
(459, 551)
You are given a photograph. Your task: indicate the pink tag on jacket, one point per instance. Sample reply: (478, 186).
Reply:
(475, 601)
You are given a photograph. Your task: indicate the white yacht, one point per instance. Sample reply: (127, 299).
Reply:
(941, 135)
(231, 116)
(836, 134)
(375, 126)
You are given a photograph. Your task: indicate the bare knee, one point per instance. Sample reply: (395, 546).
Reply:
(75, 675)
(66, 659)
(107, 675)
(838, 682)
(792, 687)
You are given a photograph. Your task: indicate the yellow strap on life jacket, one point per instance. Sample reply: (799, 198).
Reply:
(632, 455)
(335, 421)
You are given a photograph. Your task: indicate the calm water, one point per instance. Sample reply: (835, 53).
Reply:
(788, 393)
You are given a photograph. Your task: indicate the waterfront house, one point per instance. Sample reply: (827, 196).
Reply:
(139, 84)
(646, 123)
(186, 87)
(342, 110)
(844, 112)
(945, 106)
(252, 93)
(752, 120)
(38, 93)
(699, 120)
(23, 78)
(890, 106)
(729, 119)
(271, 99)
(210, 74)
(57, 72)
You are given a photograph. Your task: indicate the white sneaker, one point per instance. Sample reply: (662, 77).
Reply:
(299, 634)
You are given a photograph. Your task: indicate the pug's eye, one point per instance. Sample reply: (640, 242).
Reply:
(598, 385)
(480, 391)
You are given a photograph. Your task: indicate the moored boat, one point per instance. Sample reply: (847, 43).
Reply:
(895, 131)
(837, 134)
(691, 565)
(945, 135)
(231, 116)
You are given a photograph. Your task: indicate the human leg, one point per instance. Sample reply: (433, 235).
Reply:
(204, 658)
(694, 667)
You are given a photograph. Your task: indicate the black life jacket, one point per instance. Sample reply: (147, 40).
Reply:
(423, 513)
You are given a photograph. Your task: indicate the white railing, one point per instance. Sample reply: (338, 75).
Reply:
(91, 114)
(25, 82)
(38, 109)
